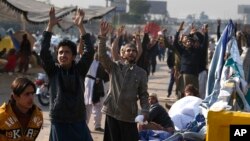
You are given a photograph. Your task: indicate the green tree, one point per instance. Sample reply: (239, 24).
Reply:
(139, 7)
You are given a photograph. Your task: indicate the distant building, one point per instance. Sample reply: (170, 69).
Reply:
(245, 11)
(158, 9)
(121, 5)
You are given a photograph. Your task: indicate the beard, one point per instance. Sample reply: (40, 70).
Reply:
(131, 61)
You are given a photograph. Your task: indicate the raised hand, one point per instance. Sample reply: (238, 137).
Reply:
(104, 28)
(193, 29)
(205, 28)
(120, 31)
(78, 21)
(139, 30)
(164, 30)
(79, 17)
(52, 17)
(181, 26)
(137, 38)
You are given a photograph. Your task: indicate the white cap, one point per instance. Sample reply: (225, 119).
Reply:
(153, 95)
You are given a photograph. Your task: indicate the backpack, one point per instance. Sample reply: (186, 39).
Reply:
(170, 58)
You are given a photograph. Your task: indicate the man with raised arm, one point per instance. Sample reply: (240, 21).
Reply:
(66, 86)
(128, 83)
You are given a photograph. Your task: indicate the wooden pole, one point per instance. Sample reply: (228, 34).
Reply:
(23, 22)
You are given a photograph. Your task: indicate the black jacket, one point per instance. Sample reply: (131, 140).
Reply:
(190, 58)
(66, 86)
(160, 116)
(98, 90)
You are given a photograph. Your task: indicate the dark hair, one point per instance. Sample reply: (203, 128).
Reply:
(145, 40)
(12, 51)
(198, 37)
(131, 45)
(192, 89)
(25, 36)
(68, 43)
(190, 37)
(20, 84)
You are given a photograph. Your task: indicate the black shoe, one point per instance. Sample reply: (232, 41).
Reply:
(99, 129)
(168, 95)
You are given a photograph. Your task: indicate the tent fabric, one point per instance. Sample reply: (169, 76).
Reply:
(90, 14)
(2, 32)
(14, 41)
(216, 65)
(19, 37)
(226, 78)
(36, 12)
(6, 42)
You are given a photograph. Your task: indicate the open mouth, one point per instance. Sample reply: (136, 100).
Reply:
(63, 60)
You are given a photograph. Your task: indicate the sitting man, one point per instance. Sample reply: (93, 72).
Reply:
(158, 116)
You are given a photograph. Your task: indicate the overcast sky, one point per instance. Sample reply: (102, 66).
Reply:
(224, 9)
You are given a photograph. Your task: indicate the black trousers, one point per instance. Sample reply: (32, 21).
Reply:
(76, 131)
(171, 82)
(116, 130)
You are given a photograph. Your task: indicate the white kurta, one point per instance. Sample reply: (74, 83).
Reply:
(91, 108)
(89, 82)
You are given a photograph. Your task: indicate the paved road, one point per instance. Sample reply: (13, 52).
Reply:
(157, 83)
